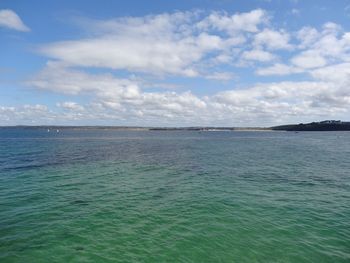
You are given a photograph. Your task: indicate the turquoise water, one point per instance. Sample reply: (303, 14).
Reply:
(113, 196)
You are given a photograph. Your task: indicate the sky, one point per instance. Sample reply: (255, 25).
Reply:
(174, 63)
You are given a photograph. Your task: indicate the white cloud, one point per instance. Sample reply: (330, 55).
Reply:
(258, 55)
(157, 44)
(187, 44)
(309, 59)
(70, 105)
(339, 74)
(36, 107)
(278, 69)
(273, 39)
(331, 28)
(325, 46)
(286, 99)
(26, 114)
(307, 36)
(124, 101)
(235, 23)
(11, 20)
(58, 78)
(318, 49)
(143, 55)
(223, 76)
(122, 95)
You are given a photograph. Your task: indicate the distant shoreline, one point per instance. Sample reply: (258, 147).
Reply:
(313, 126)
(131, 128)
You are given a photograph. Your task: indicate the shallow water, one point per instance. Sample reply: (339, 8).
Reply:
(116, 196)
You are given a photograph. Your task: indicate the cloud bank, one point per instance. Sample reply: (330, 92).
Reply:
(112, 64)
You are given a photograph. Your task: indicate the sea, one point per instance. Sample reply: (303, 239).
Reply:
(103, 195)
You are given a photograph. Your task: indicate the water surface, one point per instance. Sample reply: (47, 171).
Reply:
(137, 196)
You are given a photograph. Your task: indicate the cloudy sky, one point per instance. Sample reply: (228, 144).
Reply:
(174, 63)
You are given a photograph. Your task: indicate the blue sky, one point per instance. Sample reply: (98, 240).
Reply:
(167, 63)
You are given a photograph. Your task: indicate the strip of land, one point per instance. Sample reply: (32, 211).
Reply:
(329, 125)
(315, 126)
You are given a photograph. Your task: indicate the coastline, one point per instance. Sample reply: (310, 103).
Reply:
(313, 126)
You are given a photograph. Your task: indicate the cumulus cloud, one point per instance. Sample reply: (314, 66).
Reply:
(216, 46)
(220, 76)
(269, 103)
(316, 49)
(26, 114)
(278, 69)
(157, 44)
(233, 24)
(58, 78)
(273, 39)
(129, 104)
(11, 20)
(339, 74)
(324, 46)
(309, 59)
(121, 95)
(70, 105)
(258, 55)
(307, 36)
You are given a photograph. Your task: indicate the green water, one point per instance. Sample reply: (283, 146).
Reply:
(112, 196)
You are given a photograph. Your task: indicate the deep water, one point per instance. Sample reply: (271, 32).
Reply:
(138, 196)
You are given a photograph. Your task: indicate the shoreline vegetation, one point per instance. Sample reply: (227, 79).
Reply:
(328, 125)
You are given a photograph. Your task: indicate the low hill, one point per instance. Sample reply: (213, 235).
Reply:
(315, 126)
